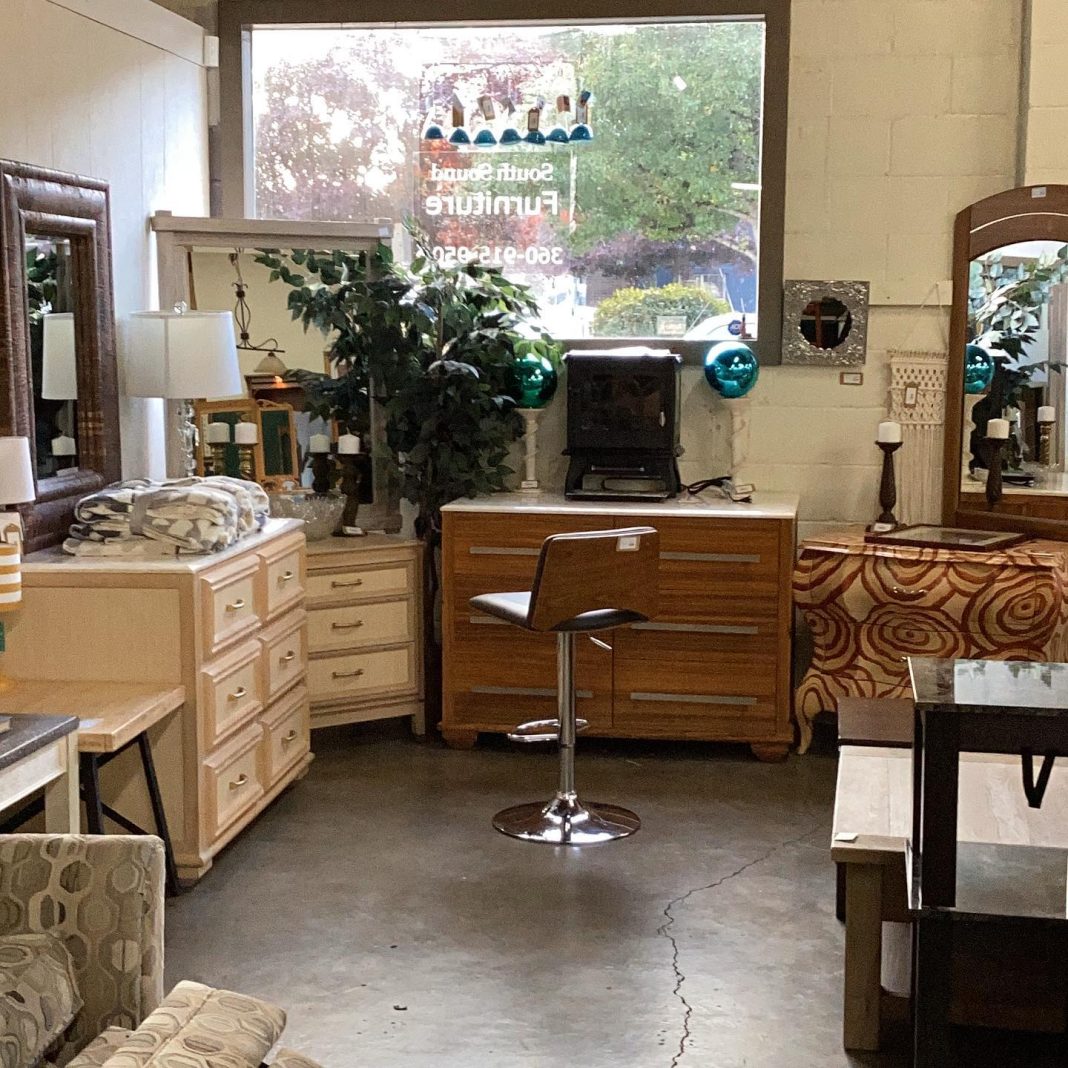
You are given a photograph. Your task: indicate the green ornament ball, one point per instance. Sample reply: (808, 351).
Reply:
(532, 380)
(731, 369)
(978, 368)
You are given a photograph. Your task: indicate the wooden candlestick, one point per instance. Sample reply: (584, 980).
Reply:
(350, 486)
(245, 465)
(993, 470)
(888, 486)
(320, 464)
(218, 458)
(1045, 444)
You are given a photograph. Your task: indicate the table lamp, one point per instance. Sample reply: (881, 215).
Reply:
(16, 487)
(183, 355)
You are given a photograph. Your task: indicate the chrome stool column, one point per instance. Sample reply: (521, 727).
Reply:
(581, 585)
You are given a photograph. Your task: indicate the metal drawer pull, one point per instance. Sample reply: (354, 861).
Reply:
(346, 674)
(335, 585)
(901, 591)
(346, 626)
(713, 558)
(290, 737)
(289, 656)
(500, 550)
(600, 644)
(694, 698)
(241, 780)
(238, 693)
(286, 576)
(234, 606)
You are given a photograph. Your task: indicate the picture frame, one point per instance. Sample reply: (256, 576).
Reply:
(236, 410)
(931, 536)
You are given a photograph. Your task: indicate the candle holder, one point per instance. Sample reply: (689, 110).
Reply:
(994, 447)
(351, 477)
(530, 441)
(245, 462)
(320, 465)
(1045, 444)
(887, 521)
(218, 458)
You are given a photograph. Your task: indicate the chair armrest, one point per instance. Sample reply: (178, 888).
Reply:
(103, 896)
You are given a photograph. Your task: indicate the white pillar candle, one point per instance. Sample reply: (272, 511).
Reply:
(1047, 413)
(64, 445)
(318, 443)
(889, 433)
(217, 433)
(347, 444)
(246, 434)
(998, 429)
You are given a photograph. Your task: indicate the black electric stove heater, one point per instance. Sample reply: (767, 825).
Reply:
(623, 425)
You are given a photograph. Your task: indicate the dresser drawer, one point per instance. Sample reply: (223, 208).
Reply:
(381, 623)
(285, 653)
(363, 674)
(231, 692)
(286, 735)
(232, 782)
(284, 578)
(333, 587)
(228, 604)
(692, 641)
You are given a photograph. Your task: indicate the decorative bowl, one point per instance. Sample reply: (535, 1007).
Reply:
(321, 512)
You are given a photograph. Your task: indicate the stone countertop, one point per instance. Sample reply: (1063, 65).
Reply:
(28, 733)
(707, 504)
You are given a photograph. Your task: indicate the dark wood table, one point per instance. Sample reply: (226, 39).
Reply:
(41, 753)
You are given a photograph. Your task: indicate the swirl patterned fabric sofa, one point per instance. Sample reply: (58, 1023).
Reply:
(81, 966)
(870, 606)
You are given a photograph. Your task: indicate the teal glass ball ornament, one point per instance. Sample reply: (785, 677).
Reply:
(582, 132)
(511, 136)
(434, 133)
(535, 137)
(978, 368)
(459, 136)
(484, 138)
(557, 136)
(731, 369)
(532, 380)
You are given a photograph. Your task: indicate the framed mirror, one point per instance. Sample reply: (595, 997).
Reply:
(58, 379)
(825, 324)
(1006, 397)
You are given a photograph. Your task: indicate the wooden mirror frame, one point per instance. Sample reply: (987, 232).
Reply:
(37, 201)
(1030, 213)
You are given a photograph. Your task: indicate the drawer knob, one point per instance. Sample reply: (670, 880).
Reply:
(287, 576)
(347, 674)
(238, 693)
(347, 626)
(903, 591)
(235, 606)
(289, 656)
(337, 585)
(290, 737)
(241, 780)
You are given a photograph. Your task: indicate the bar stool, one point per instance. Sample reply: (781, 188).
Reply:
(586, 582)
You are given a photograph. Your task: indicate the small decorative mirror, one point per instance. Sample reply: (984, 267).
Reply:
(825, 323)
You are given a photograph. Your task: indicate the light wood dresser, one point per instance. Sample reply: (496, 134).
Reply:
(714, 665)
(230, 627)
(364, 630)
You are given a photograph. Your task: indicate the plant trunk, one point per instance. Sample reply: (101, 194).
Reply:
(432, 686)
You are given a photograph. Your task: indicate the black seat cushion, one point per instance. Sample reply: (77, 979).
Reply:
(514, 608)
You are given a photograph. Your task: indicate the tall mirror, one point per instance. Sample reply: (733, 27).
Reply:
(1006, 446)
(58, 384)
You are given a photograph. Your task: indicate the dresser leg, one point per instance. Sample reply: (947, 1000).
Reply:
(770, 752)
(459, 739)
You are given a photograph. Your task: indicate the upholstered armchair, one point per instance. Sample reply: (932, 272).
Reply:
(102, 898)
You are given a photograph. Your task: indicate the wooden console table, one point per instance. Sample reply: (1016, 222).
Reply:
(41, 752)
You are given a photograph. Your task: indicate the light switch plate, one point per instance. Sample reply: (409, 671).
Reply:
(851, 378)
(627, 544)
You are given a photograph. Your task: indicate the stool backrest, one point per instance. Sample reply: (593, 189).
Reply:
(593, 570)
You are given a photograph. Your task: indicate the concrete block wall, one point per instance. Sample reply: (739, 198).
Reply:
(1046, 158)
(901, 114)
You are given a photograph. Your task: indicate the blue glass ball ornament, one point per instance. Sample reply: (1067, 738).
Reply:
(459, 136)
(978, 368)
(535, 137)
(484, 138)
(557, 136)
(511, 136)
(582, 132)
(434, 133)
(532, 380)
(731, 369)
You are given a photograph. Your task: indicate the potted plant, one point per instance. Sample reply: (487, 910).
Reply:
(435, 345)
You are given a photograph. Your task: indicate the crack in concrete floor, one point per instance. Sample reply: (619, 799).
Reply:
(669, 922)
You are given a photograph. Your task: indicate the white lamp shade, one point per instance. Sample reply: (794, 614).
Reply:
(59, 364)
(16, 471)
(181, 356)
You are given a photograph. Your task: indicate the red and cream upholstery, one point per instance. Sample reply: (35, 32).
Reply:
(870, 606)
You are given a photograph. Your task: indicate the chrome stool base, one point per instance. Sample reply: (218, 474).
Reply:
(566, 821)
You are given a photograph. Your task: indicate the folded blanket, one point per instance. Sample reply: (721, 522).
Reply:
(133, 548)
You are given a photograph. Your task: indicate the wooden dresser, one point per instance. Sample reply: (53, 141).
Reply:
(364, 630)
(714, 665)
(230, 627)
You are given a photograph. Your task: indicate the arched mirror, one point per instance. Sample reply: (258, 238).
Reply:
(1006, 445)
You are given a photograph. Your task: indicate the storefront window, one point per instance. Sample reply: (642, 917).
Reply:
(649, 228)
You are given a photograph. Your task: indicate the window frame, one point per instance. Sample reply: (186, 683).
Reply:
(232, 158)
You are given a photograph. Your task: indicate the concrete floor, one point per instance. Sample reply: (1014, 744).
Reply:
(377, 905)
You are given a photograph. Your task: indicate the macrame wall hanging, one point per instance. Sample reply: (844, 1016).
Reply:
(918, 403)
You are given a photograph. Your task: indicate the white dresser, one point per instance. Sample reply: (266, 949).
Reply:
(230, 626)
